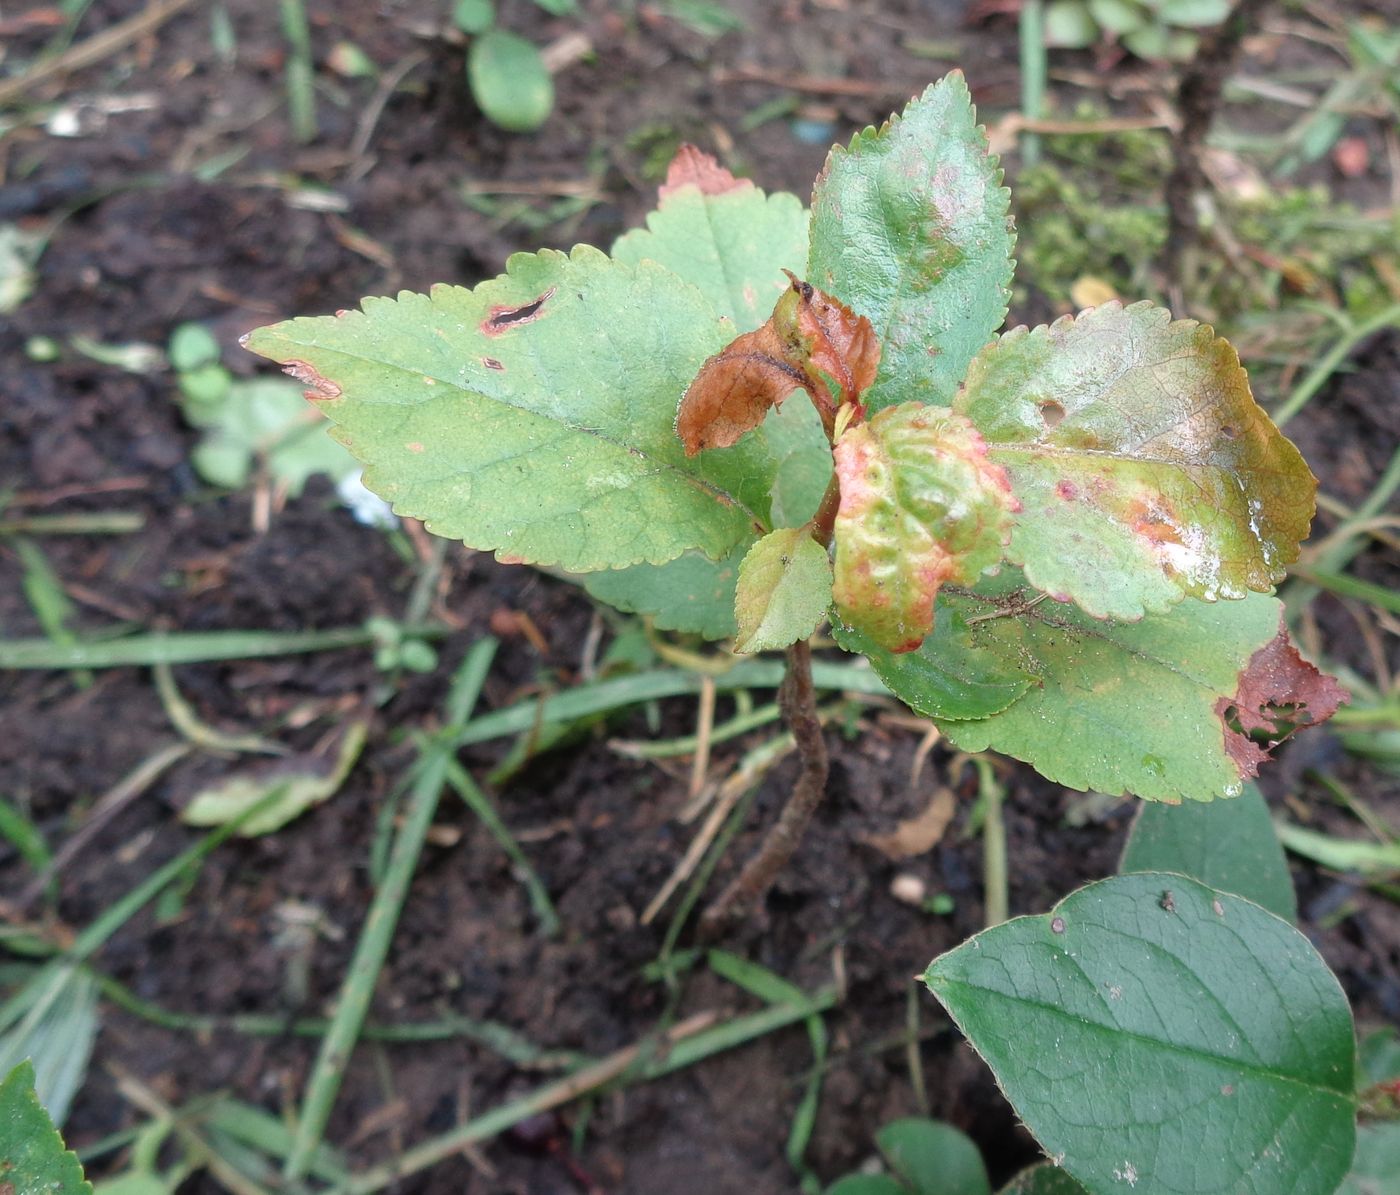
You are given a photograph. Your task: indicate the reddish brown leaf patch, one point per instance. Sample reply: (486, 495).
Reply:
(809, 337)
(1279, 692)
(318, 386)
(502, 318)
(693, 167)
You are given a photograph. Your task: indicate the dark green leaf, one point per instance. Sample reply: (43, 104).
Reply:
(933, 1157)
(1145, 469)
(509, 81)
(692, 593)
(1045, 1179)
(534, 414)
(867, 1184)
(1155, 1034)
(1376, 1168)
(474, 16)
(32, 1158)
(1229, 845)
(910, 227)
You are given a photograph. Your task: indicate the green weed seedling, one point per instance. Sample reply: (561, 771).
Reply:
(506, 73)
(1060, 543)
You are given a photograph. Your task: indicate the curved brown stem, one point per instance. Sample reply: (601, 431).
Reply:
(798, 700)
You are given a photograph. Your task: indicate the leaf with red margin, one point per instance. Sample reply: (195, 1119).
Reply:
(1279, 692)
(723, 235)
(921, 505)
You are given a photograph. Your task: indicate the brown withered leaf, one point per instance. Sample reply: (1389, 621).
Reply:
(808, 334)
(839, 342)
(920, 833)
(1279, 692)
(734, 389)
(694, 167)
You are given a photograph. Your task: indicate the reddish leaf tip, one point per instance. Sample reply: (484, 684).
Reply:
(692, 167)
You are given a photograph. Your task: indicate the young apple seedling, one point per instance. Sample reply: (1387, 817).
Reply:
(1059, 543)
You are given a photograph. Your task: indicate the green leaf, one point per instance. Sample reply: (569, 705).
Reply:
(1146, 470)
(474, 16)
(1196, 14)
(1045, 1179)
(1379, 859)
(1121, 707)
(691, 594)
(1070, 25)
(509, 81)
(723, 235)
(534, 414)
(1230, 845)
(933, 1157)
(192, 346)
(910, 227)
(32, 1158)
(1162, 43)
(951, 676)
(1155, 1034)
(784, 590)
(1119, 16)
(1376, 1168)
(921, 505)
(304, 782)
(867, 1184)
(558, 8)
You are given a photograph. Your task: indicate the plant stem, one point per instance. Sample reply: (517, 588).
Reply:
(1197, 98)
(797, 696)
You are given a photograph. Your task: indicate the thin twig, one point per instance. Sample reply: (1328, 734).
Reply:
(798, 699)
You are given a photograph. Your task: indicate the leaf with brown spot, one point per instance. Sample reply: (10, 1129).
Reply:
(1279, 692)
(838, 341)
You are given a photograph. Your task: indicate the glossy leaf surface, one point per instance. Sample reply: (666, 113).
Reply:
(1146, 470)
(921, 506)
(784, 590)
(1228, 845)
(910, 226)
(534, 414)
(1155, 1034)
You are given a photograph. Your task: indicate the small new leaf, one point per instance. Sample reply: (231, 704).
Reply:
(784, 590)
(1146, 470)
(921, 505)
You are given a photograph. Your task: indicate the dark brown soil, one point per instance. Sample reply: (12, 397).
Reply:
(147, 246)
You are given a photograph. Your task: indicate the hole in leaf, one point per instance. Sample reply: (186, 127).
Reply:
(1051, 412)
(1228, 432)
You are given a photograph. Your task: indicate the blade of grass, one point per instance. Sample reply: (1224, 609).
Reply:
(98, 522)
(1345, 585)
(44, 592)
(686, 1044)
(480, 804)
(194, 647)
(301, 82)
(1033, 75)
(1332, 360)
(373, 947)
(24, 836)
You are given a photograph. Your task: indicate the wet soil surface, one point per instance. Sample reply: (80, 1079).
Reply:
(156, 236)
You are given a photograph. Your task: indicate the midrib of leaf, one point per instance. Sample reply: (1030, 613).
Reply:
(699, 483)
(735, 303)
(1258, 1070)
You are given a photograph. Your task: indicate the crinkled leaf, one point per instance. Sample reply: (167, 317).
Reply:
(723, 235)
(1278, 693)
(534, 414)
(921, 505)
(1157, 1035)
(1145, 468)
(910, 226)
(952, 676)
(1045, 1179)
(1230, 845)
(304, 781)
(933, 1158)
(33, 1160)
(784, 590)
(810, 336)
(1120, 707)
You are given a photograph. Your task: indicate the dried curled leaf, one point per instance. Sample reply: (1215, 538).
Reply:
(1279, 692)
(1147, 471)
(808, 335)
(921, 505)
